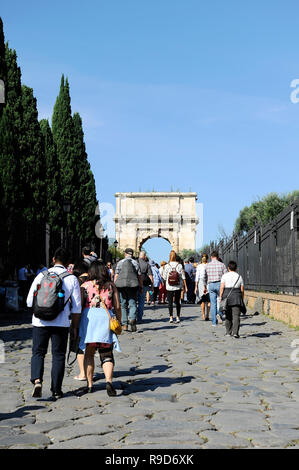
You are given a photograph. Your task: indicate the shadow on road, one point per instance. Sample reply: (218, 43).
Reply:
(17, 334)
(20, 413)
(264, 335)
(144, 385)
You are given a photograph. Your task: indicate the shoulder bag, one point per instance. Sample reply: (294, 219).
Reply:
(223, 303)
(115, 326)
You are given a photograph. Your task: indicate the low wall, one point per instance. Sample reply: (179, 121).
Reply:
(280, 307)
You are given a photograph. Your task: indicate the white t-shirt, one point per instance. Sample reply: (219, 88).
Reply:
(167, 269)
(229, 279)
(200, 271)
(71, 287)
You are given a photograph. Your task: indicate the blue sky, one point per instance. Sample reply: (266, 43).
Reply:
(184, 94)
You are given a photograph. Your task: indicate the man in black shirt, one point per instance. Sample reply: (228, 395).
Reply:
(147, 277)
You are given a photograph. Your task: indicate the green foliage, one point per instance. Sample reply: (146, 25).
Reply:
(186, 254)
(263, 211)
(85, 197)
(32, 164)
(119, 254)
(39, 168)
(52, 177)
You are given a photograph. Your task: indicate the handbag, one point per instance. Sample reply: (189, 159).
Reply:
(114, 324)
(223, 302)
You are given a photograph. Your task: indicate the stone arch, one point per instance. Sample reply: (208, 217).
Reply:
(147, 237)
(168, 215)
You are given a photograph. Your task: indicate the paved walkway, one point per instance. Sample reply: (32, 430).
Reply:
(179, 386)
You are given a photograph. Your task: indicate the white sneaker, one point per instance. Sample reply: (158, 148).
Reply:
(219, 319)
(178, 320)
(170, 320)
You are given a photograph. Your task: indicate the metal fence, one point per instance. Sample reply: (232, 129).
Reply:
(268, 256)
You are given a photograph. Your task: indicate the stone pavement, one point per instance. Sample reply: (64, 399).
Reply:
(183, 386)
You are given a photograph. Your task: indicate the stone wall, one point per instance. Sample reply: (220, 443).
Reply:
(280, 307)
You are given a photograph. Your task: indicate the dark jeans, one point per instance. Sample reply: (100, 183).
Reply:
(190, 292)
(156, 293)
(176, 294)
(40, 337)
(128, 303)
(232, 322)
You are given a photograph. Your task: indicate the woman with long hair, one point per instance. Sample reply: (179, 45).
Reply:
(175, 278)
(80, 270)
(203, 298)
(95, 333)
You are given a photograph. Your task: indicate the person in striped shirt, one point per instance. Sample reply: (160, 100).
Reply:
(212, 277)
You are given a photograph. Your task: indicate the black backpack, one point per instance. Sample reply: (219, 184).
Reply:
(128, 276)
(48, 299)
(144, 270)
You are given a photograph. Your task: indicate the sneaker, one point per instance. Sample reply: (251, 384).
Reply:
(219, 318)
(56, 396)
(227, 334)
(236, 336)
(37, 391)
(133, 325)
(178, 320)
(171, 320)
(213, 324)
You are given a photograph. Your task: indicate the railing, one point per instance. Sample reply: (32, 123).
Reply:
(268, 256)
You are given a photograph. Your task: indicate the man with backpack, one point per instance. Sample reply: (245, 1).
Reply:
(128, 281)
(175, 278)
(56, 301)
(147, 281)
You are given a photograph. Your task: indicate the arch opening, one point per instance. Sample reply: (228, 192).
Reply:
(156, 247)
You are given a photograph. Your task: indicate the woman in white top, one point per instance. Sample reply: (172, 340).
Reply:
(204, 298)
(232, 288)
(162, 288)
(175, 278)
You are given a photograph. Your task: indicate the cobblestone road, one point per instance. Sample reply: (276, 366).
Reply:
(179, 386)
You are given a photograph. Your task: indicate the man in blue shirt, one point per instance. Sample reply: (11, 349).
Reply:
(190, 279)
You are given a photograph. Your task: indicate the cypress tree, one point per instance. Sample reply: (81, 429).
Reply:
(63, 135)
(10, 129)
(32, 167)
(86, 191)
(32, 178)
(52, 176)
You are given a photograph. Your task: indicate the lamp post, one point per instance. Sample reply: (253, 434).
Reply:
(115, 246)
(101, 236)
(66, 210)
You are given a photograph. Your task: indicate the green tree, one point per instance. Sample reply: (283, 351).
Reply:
(85, 196)
(32, 167)
(63, 136)
(263, 211)
(52, 178)
(10, 129)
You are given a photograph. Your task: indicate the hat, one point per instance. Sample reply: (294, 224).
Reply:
(129, 251)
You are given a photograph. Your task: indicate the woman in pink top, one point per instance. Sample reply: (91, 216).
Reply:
(95, 333)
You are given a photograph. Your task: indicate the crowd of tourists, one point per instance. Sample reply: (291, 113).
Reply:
(79, 300)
